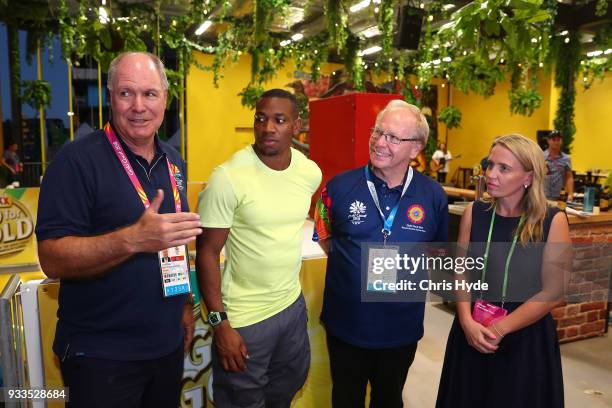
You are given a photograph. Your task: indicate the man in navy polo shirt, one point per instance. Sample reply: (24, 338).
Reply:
(376, 341)
(120, 339)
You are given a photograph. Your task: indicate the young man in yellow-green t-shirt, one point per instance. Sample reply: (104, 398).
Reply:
(255, 204)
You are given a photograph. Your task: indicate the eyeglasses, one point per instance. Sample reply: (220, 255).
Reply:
(377, 133)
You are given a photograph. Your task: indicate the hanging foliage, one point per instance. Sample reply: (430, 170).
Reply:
(385, 22)
(485, 37)
(568, 64)
(450, 116)
(337, 23)
(36, 94)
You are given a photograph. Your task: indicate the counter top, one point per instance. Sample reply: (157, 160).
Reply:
(605, 217)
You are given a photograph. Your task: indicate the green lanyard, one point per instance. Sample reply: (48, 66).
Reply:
(508, 259)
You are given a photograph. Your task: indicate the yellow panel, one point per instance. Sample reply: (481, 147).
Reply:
(18, 211)
(216, 120)
(593, 139)
(48, 294)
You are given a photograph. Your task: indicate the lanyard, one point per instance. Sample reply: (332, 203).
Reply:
(388, 222)
(118, 149)
(508, 258)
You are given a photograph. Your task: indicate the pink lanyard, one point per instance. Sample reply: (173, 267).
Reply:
(118, 149)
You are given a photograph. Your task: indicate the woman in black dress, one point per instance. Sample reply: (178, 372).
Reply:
(513, 361)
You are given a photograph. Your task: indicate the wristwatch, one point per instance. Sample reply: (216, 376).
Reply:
(215, 318)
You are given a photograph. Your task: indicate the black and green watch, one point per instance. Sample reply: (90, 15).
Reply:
(215, 318)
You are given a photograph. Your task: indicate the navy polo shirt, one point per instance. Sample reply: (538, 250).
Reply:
(121, 315)
(422, 216)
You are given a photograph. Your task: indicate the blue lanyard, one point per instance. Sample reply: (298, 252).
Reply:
(388, 222)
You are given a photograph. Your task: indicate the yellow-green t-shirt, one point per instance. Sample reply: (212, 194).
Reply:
(265, 211)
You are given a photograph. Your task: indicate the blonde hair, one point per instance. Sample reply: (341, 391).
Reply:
(533, 203)
(422, 127)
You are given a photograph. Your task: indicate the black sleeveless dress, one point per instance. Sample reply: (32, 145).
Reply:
(526, 369)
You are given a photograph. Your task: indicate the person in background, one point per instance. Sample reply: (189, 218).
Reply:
(12, 162)
(112, 204)
(487, 361)
(440, 160)
(256, 204)
(559, 175)
(384, 201)
(419, 163)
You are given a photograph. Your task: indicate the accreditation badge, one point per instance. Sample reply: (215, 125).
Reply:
(382, 269)
(174, 267)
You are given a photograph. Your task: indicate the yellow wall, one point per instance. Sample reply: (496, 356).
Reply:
(484, 118)
(593, 114)
(217, 123)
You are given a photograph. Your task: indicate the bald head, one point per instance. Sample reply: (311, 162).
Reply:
(139, 60)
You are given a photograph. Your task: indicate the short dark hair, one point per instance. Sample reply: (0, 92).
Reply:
(281, 93)
(554, 133)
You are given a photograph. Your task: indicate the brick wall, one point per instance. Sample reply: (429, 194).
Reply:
(585, 313)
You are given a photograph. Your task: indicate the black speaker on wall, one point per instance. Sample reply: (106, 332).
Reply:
(409, 22)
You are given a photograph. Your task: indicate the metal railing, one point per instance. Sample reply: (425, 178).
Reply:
(12, 350)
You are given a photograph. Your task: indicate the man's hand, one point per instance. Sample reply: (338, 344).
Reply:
(230, 347)
(188, 323)
(154, 232)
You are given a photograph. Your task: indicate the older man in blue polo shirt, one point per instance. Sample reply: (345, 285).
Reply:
(112, 219)
(383, 201)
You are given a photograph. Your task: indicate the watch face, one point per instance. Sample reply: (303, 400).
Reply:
(214, 318)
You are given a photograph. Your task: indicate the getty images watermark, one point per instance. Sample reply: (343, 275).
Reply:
(416, 272)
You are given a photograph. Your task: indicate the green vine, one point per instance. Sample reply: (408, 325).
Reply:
(385, 22)
(568, 64)
(337, 19)
(37, 94)
(601, 8)
(450, 116)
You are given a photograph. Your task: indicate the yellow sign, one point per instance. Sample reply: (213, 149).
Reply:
(18, 210)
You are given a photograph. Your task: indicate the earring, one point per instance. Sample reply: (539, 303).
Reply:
(526, 185)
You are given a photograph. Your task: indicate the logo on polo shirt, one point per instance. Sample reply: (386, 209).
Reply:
(416, 214)
(357, 211)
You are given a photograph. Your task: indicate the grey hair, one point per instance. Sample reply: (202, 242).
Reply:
(159, 65)
(422, 128)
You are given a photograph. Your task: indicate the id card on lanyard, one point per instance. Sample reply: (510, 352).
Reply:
(485, 312)
(379, 281)
(173, 261)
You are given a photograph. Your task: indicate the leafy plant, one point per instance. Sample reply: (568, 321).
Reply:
(250, 95)
(337, 23)
(37, 94)
(524, 101)
(450, 116)
(568, 64)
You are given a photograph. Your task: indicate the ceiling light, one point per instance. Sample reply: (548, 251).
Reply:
(370, 32)
(448, 7)
(371, 50)
(297, 36)
(103, 15)
(596, 53)
(447, 59)
(567, 40)
(565, 32)
(359, 6)
(203, 27)
(608, 51)
(436, 62)
(284, 43)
